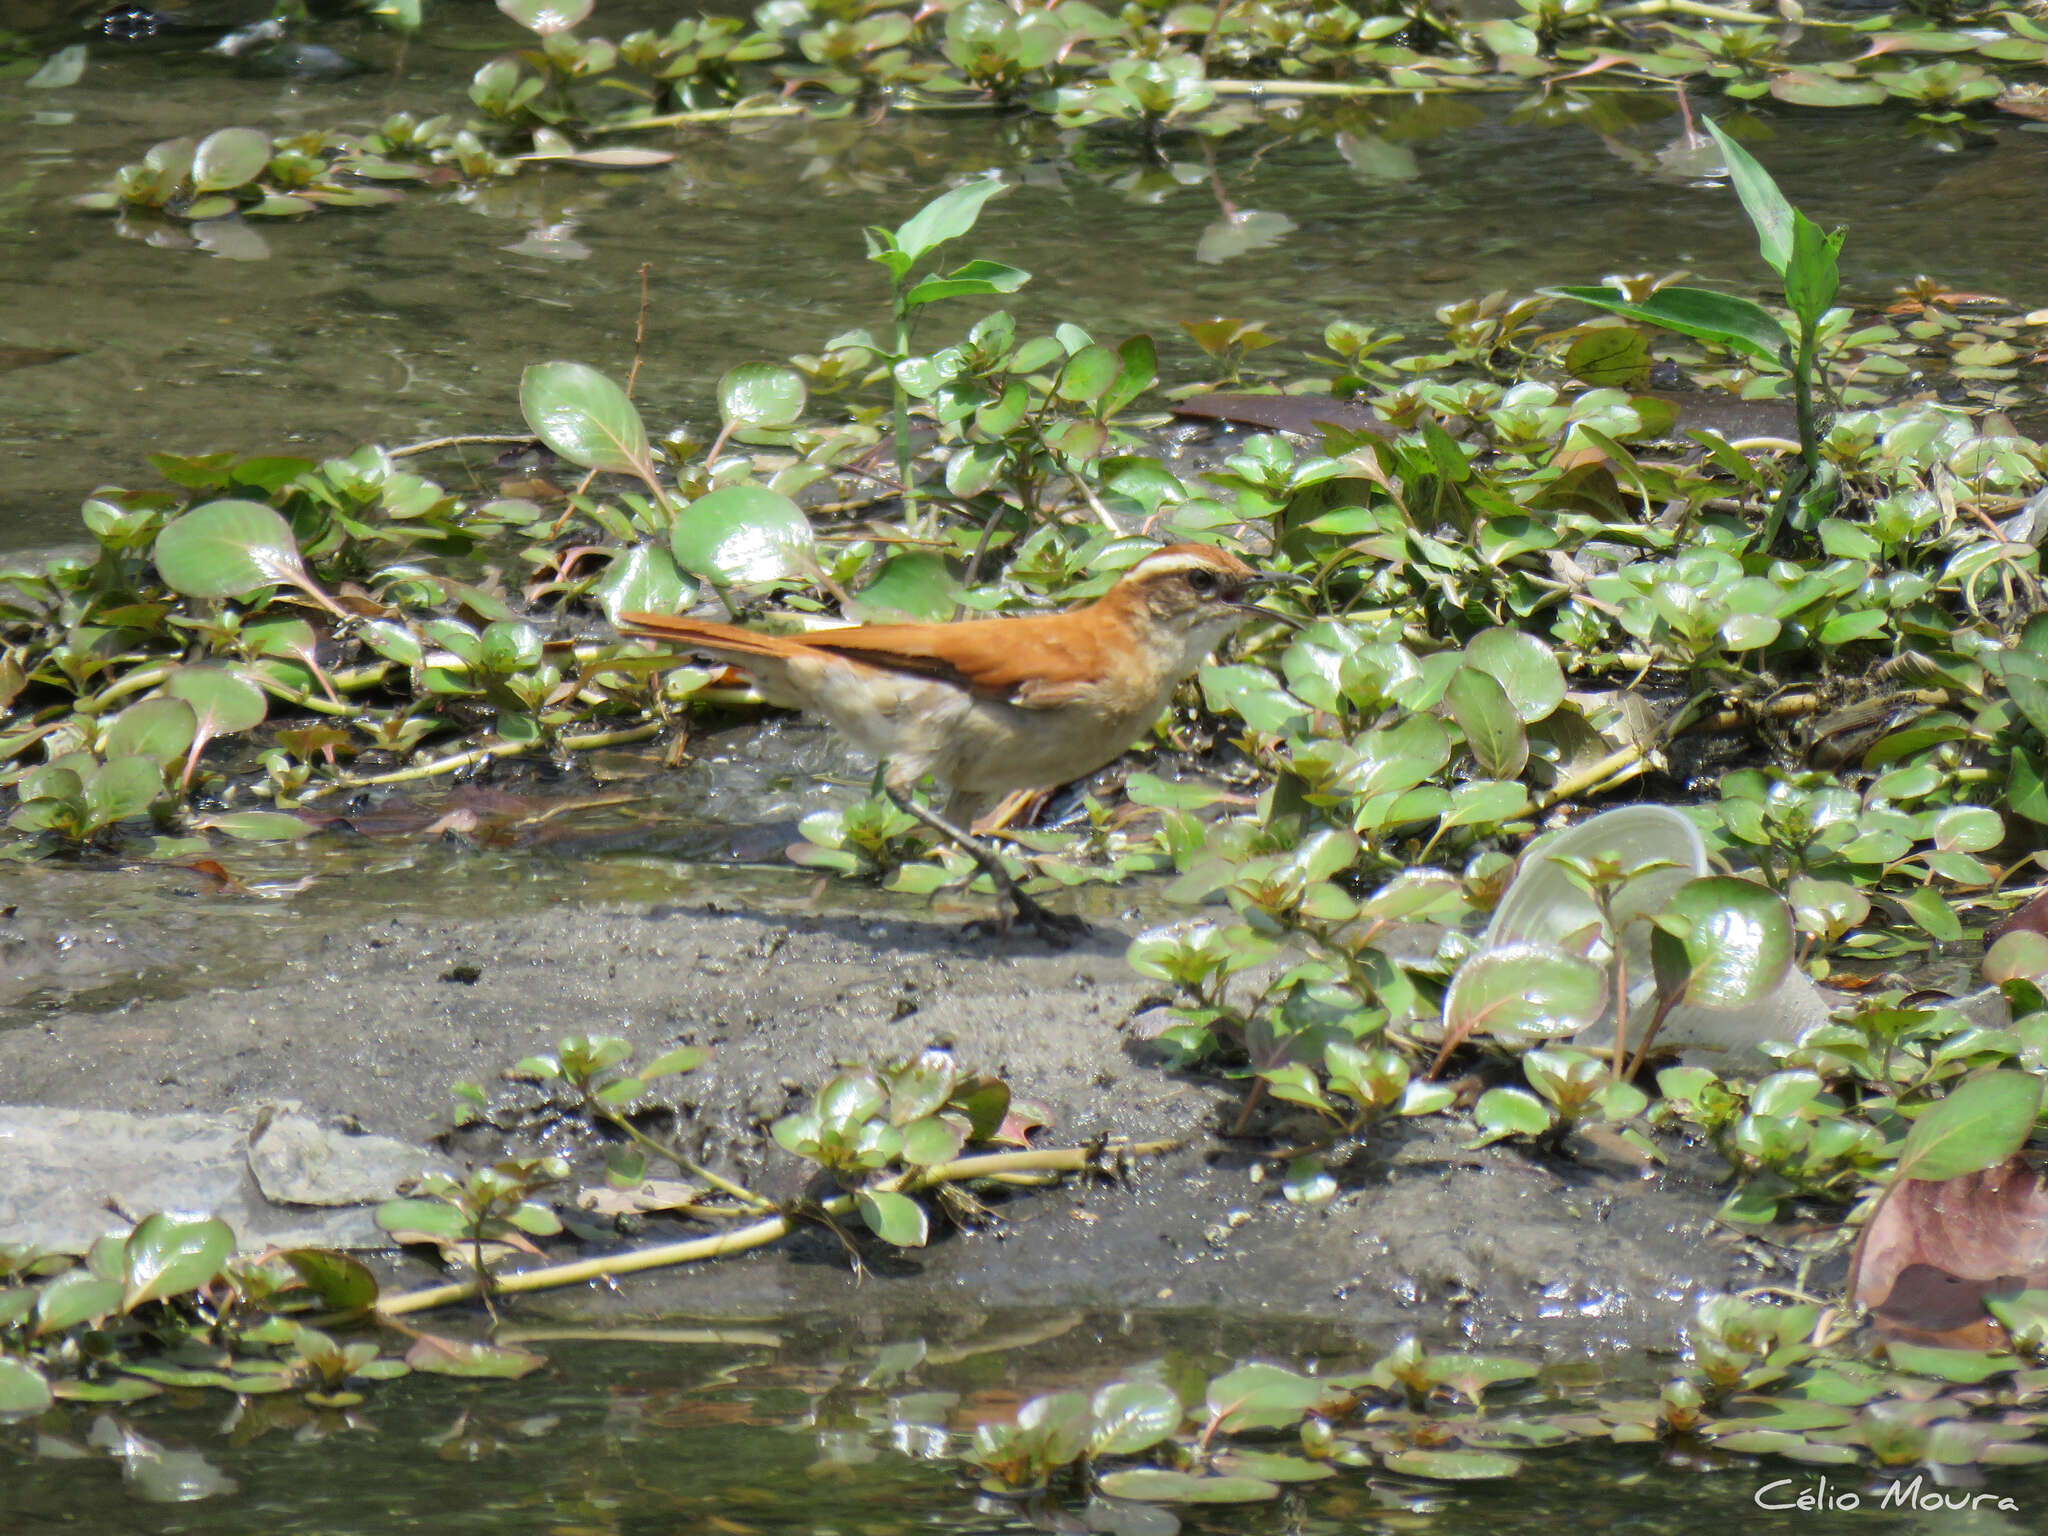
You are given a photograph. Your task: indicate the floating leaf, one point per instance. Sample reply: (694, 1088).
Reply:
(1130, 1416)
(438, 1356)
(892, 1217)
(229, 158)
(1983, 1121)
(761, 396)
(1154, 1485)
(170, 1255)
(1734, 942)
(743, 534)
(1453, 1466)
(227, 549)
(1523, 992)
(23, 1389)
(584, 417)
(342, 1282)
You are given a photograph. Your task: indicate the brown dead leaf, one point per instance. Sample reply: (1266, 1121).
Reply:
(1935, 1248)
(647, 1195)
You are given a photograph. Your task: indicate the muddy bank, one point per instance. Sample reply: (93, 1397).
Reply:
(368, 1028)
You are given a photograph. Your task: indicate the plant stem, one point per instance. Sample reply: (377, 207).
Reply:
(899, 399)
(761, 1233)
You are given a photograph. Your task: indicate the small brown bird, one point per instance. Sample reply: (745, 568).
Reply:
(991, 705)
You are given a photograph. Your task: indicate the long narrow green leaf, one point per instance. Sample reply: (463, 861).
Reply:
(1813, 276)
(1761, 200)
(1720, 318)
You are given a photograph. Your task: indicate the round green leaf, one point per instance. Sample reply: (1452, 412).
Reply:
(1132, 1415)
(1487, 716)
(743, 533)
(892, 1217)
(1454, 1466)
(227, 549)
(1737, 939)
(124, 787)
(229, 158)
(1510, 1112)
(22, 1388)
(1524, 667)
(343, 1283)
(223, 702)
(764, 396)
(642, 580)
(258, 826)
(170, 1255)
(1157, 1486)
(583, 416)
(546, 16)
(1981, 1123)
(918, 587)
(436, 1356)
(1261, 1396)
(1809, 88)
(1522, 992)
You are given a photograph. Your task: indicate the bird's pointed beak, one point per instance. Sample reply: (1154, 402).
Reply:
(1257, 586)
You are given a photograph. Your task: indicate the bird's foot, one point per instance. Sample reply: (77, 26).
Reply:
(1057, 929)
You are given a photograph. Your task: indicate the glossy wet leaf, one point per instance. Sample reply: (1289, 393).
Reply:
(258, 826)
(433, 1219)
(1260, 1396)
(946, 217)
(438, 1356)
(583, 416)
(342, 1282)
(1982, 1122)
(1524, 992)
(227, 549)
(169, 1255)
(223, 702)
(643, 579)
(767, 396)
(23, 1389)
(1158, 1486)
(1503, 1112)
(1452, 1466)
(1697, 312)
(743, 534)
(121, 788)
(75, 1297)
(229, 158)
(1526, 669)
(917, 587)
(892, 1217)
(1733, 942)
(1130, 1416)
(547, 16)
(1487, 716)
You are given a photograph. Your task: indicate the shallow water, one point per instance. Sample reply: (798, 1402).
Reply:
(838, 1427)
(414, 322)
(402, 324)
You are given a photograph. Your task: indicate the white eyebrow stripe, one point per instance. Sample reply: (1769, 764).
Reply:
(1178, 562)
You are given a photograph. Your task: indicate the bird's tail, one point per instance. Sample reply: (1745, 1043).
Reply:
(720, 640)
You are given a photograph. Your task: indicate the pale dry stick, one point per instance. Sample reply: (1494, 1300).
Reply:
(1614, 764)
(467, 440)
(477, 756)
(760, 1233)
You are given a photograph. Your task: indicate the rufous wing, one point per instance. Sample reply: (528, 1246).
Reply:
(1040, 662)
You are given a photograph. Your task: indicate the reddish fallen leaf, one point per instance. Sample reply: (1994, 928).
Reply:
(1934, 1249)
(2032, 917)
(216, 871)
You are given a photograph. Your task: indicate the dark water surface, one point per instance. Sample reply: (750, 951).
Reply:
(400, 324)
(843, 1427)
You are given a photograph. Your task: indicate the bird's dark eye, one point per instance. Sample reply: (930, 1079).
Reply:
(1203, 582)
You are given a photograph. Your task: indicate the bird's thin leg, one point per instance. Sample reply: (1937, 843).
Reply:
(1053, 927)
